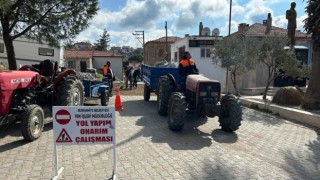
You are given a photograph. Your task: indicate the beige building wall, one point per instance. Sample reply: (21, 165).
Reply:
(154, 52)
(253, 79)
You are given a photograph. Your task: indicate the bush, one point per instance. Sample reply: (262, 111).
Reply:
(2, 66)
(99, 76)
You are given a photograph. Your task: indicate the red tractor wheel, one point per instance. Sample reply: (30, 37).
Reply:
(231, 113)
(177, 111)
(32, 122)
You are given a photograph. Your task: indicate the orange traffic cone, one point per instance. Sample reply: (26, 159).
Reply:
(118, 104)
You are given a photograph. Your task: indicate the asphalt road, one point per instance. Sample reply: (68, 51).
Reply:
(265, 147)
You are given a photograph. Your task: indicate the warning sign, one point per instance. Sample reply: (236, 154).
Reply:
(77, 125)
(63, 117)
(64, 136)
(83, 125)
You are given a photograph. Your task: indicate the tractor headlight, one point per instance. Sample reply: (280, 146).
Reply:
(203, 93)
(214, 94)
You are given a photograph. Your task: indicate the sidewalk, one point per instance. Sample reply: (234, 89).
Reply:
(305, 117)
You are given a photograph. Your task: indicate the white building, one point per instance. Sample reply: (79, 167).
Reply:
(81, 60)
(200, 48)
(29, 52)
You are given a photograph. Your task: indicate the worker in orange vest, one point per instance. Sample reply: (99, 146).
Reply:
(105, 70)
(186, 66)
(108, 74)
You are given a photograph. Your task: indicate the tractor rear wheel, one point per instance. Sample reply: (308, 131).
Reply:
(231, 113)
(32, 122)
(69, 92)
(104, 98)
(146, 93)
(177, 111)
(165, 88)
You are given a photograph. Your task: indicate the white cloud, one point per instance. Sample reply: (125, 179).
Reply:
(257, 11)
(280, 21)
(183, 17)
(300, 22)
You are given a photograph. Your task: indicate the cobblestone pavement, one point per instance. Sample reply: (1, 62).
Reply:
(265, 147)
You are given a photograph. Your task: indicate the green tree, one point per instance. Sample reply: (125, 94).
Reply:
(137, 51)
(135, 58)
(125, 63)
(102, 43)
(237, 54)
(275, 57)
(50, 20)
(312, 25)
(69, 44)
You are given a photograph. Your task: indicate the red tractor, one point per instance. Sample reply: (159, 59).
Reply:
(24, 94)
(201, 95)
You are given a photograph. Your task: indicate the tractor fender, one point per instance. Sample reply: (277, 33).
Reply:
(29, 68)
(171, 77)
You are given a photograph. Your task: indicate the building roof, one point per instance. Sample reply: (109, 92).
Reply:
(171, 39)
(89, 54)
(258, 29)
(83, 43)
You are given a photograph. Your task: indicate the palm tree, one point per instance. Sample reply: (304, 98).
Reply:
(312, 25)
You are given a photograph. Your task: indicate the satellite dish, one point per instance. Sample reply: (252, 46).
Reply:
(215, 32)
(206, 31)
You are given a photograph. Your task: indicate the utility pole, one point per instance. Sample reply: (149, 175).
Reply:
(227, 73)
(166, 41)
(138, 34)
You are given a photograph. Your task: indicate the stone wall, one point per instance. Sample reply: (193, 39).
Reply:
(154, 52)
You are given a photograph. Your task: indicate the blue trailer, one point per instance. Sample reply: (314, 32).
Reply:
(98, 89)
(151, 75)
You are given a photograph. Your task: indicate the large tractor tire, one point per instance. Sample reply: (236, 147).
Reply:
(104, 98)
(32, 122)
(69, 92)
(231, 113)
(146, 93)
(165, 88)
(177, 111)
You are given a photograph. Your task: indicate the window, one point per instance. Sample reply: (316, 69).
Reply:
(161, 52)
(176, 56)
(203, 50)
(208, 52)
(46, 52)
(1, 48)
(71, 64)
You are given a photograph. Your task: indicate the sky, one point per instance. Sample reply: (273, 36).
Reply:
(121, 18)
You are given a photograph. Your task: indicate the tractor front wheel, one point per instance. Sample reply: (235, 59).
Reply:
(231, 113)
(32, 122)
(177, 111)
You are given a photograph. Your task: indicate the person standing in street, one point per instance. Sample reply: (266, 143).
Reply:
(127, 71)
(136, 74)
(109, 75)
